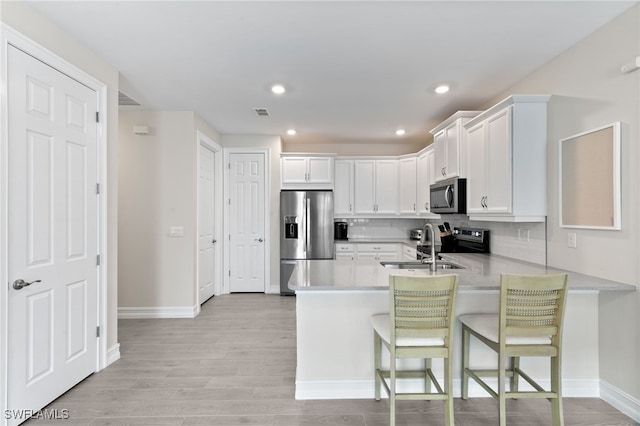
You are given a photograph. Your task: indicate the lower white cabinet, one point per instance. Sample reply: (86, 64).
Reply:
(345, 251)
(372, 251)
(409, 253)
(382, 252)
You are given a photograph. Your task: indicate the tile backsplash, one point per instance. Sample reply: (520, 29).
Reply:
(522, 241)
(381, 228)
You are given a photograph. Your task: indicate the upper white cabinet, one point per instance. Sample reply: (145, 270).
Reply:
(424, 178)
(343, 194)
(408, 185)
(376, 187)
(307, 171)
(449, 142)
(506, 179)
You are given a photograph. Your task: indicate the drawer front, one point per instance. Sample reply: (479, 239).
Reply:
(376, 248)
(344, 248)
(409, 251)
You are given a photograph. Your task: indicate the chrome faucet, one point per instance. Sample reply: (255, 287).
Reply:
(433, 244)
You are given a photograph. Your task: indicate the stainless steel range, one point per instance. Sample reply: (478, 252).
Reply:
(463, 240)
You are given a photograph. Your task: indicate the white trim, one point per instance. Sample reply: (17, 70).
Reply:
(364, 389)
(9, 36)
(268, 288)
(159, 312)
(620, 400)
(203, 140)
(113, 354)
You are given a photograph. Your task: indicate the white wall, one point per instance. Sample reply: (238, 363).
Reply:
(26, 20)
(272, 143)
(346, 149)
(590, 91)
(158, 181)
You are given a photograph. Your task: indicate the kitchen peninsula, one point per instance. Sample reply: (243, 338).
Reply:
(335, 300)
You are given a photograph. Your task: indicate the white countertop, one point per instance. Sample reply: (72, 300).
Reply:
(482, 272)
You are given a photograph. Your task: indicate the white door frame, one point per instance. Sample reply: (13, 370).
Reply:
(267, 208)
(204, 142)
(9, 36)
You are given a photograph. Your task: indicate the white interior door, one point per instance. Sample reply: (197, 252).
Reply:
(53, 241)
(247, 222)
(206, 224)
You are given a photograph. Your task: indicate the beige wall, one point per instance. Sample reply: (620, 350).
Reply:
(590, 91)
(273, 144)
(26, 20)
(158, 181)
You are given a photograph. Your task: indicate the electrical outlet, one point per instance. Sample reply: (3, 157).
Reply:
(571, 240)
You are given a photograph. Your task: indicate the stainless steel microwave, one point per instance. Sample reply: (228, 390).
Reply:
(449, 196)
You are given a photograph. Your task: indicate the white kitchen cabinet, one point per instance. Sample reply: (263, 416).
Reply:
(450, 146)
(381, 251)
(408, 185)
(376, 187)
(345, 251)
(424, 177)
(343, 194)
(307, 171)
(506, 178)
(409, 253)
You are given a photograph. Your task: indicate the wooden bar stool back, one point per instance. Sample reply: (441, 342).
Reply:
(419, 325)
(529, 324)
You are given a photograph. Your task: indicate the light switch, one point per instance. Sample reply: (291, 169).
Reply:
(176, 231)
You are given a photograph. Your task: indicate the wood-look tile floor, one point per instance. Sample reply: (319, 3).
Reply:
(235, 365)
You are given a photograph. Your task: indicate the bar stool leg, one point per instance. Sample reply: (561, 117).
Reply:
(502, 400)
(515, 365)
(377, 349)
(448, 383)
(465, 361)
(556, 403)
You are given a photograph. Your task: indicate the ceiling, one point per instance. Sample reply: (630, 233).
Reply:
(354, 71)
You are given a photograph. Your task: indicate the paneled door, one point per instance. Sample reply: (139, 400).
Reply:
(247, 218)
(206, 224)
(53, 218)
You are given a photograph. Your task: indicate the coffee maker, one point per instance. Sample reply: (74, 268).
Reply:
(340, 231)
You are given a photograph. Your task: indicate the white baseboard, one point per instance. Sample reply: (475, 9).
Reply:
(158, 312)
(620, 400)
(113, 354)
(364, 389)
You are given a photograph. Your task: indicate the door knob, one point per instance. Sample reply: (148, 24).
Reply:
(19, 284)
(214, 241)
(259, 240)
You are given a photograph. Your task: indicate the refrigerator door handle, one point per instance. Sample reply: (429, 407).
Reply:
(307, 205)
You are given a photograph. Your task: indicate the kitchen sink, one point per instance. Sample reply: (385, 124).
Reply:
(419, 265)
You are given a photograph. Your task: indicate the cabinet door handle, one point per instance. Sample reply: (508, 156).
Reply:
(414, 207)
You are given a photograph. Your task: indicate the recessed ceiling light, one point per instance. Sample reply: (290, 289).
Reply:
(291, 132)
(443, 88)
(400, 132)
(278, 89)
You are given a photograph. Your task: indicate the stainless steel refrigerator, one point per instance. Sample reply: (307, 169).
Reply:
(306, 230)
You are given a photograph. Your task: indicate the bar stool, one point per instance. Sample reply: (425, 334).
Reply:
(419, 325)
(529, 324)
